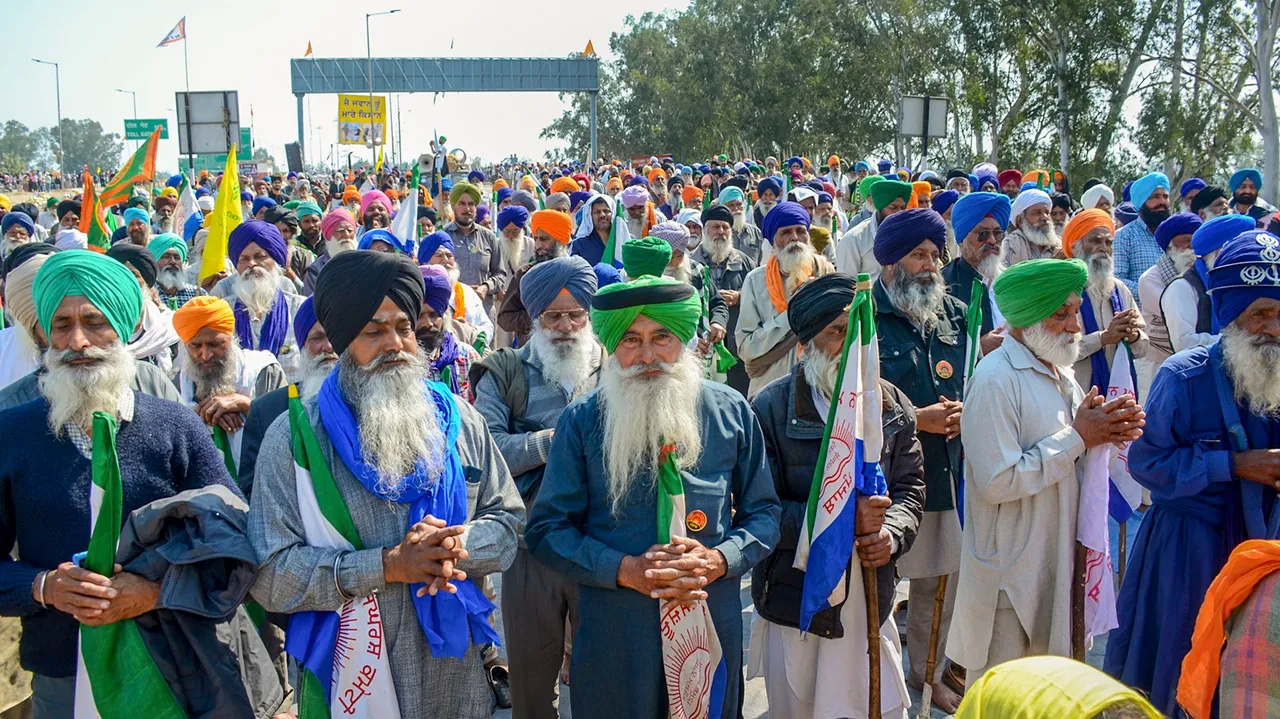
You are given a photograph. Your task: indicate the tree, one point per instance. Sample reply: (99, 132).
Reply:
(86, 146)
(261, 155)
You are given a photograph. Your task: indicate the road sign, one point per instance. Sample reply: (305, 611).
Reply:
(208, 122)
(246, 143)
(141, 129)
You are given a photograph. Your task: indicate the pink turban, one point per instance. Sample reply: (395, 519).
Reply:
(634, 196)
(374, 196)
(333, 219)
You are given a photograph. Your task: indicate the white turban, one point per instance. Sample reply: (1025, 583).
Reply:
(17, 290)
(1089, 199)
(72, 240)
(1028, 199)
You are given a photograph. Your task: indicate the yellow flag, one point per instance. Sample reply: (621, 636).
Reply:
(226, 216)
(589, 50)
(378, 167)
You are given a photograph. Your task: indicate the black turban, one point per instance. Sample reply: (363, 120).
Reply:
(137, 257)
(818, 302)
(427, 212)
(353, 286)
(278, 214)
(1060, 200)
(717, 212)
(1090, 183)
(24, 252)
(737, 181)
(957, 173)
(68, 206)
(27, 209)
(1205, 197)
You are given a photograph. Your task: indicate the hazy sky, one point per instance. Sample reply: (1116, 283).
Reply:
(246, 46)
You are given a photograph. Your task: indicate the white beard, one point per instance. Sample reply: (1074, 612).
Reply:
(990, 267)
(257, 288)
(166, 224)
(1059, 350)
(739, 221)
(1045, 238)
(513, 250)
(171, 278)
(76, 392)
(636, 227)
(719, 249)
(765, 207)
(455, 272)
(1182, 259)
(1209, 213)
(7, 245)
(312, 373)
(218, 380)
(822, 219)
(1102, 276)
(681, 272)
(567, 364)
(820, 370)
(337, 247)
(398, 424)
(796, 256)
(917, 297)
(1253, 364)
(641, 412)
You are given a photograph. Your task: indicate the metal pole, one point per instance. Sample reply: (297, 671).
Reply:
(136, 143)
(594, 96)
(368, 48)
(302, 148)
(57, 90)
(924, 136)
(186, 75)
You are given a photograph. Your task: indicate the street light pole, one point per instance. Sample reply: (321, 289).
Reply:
(62, 149)
(135, 111)
(369, 52)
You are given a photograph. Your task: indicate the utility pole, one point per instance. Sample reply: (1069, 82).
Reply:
(373, 138)
(62, 148)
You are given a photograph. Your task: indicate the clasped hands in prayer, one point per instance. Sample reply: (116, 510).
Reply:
(428, 555)
(678, 571)
(1101, 422)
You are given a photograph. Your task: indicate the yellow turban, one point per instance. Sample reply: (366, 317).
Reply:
(201, 312)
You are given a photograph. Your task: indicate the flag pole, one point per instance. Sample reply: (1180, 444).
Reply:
(186, 74)
(926, 691)
(873, 641)
(1124, 542)
(1077, 603)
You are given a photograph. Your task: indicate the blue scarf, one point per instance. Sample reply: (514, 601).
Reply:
(275, 326)
(449, 353)
(1117, 506)
(1261, 516)
(450, 621)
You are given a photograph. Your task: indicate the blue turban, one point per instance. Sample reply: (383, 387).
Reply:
(542, 283)
(446, 184)
(18, 218)
(944, 201)
(784, 214)
(884, 166)
(902, 232)
(605, 275)
(504, 194)
(432, 242)
(246, 196)
(795, 161)
(729, 194)
(1183, 223)
(1215, 233)
(1246, 174)
(981, 180)
(577, 198)
(1191, 185)
(260, 202)
(368, 238)
(770, 183)
(202, 191)
(303, 320)
(475, 176)
(262, 233)
(969, 210)
(174, 181)
(1247, 269)
(1127, 191)
(861, 165)
(825, 198)
(1142, 188)
(1126, 212)
(512, 214)
(437, 289)
(136, 213)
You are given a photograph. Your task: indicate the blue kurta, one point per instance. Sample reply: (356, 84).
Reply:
(617, 650)
(1199, 514)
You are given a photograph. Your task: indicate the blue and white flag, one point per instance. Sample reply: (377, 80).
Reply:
(179, 32)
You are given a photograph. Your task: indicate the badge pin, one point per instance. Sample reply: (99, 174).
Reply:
(944, 369)
(696, 521)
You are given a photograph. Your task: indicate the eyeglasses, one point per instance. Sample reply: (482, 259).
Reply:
(985, 236)
(553, 317)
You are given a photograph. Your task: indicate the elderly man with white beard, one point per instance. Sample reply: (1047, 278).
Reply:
(338, 234)
(1033, 235)
(1209, 459)
(656, 488)
(419, 484)
(747, 238)
(517, 251)
(1025, 424)
(1188, 313)
(521, 393)
(978, 220)
(87, 420)
(1108, 314)
(728, 267)
(768, 193)
(218, 379)
(1174, 237)
(1211, 202)
(172, 288)
(766, 344)
(639, 210)
(260, 294)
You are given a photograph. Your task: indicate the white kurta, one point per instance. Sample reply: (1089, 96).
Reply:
(252, 362)
(19, 356)
(856, 251)
(1181, 311)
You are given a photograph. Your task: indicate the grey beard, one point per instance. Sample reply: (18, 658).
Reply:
(565, 363)
(820, 370)
(397, 419)
(1182, 259)
(681, 272)
(917, 296)
(218, 380)
(1044, 238)
(793, 258)
(76, 392)
(990, 267)
(719, 249)
(739, 221)
(765, 207)
(513, 250)
(171, 278)
(166, 224)
(1253, 364)
(1101, 272)
(558, 250)
(257, 289)
(1059, 350)
(636, 227)
(337, 247)
(313, 372)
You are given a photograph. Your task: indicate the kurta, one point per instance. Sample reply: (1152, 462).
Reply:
(296, 577)
(617, 667)
(1092, 342)
(856, 250)
(761, 327)
(1198, 516)
(515, 254)
(1021, 498)
(19, 355)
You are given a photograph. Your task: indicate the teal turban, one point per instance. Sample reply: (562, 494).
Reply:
(307, 208)
(161, 244)
(108, 284)
(1032, 290)
(729, 194)
(671, 303)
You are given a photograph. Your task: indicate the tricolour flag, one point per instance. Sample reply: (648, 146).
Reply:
(141, 167)
(187, 217)
(848, 465)
(226, 217)
(693, 660)
(405, 224)
(179, 32)
(342, 656)
(972, 351)
(116, 678)
(1125, 493)
(618, 232)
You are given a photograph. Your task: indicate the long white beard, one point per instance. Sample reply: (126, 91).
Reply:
(1182, 259)
(765, 207)
(513, 250)
(1253, 363)
(171, 278)
(1059, 350)
(990, 267)
(739, 221)
(640, 413)
(76, 392)
(397, 419)
(337, 247)
(314, 370)
(793, 258)
(635, 226)
(681, 272)
(820, 370)
(1045, 238)
(455, 273)
(217, 380)
(257, 288)
(567, 364)
(7, 245)
(719, 249)
(1101, 273)
(917, 296)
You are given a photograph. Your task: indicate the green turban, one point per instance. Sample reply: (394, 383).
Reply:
(1032, 290)
(670, 303)
(161, 244)
(292, 205)
(464, 188)
(307, 208)
(886, 191)
(645, 256)
(864, 187)
(108, 284)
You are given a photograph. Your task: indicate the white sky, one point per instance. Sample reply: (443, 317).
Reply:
(246, 45)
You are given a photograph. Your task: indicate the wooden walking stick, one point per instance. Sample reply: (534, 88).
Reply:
(873, 640)
(1077, 604)
(1124, 544)
(926, 691)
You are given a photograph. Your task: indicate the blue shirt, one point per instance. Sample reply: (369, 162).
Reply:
(589, 248)
(1136, 251)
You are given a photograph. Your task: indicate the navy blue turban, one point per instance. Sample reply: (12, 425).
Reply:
(818, 302)
(1183, 223)
(437, 289)
(263, 234)
(1127, 213)
(605, 275)
(884, 166)
(1247, 269)
(945, 200)
(504, 193)
(512, 214)
(304, 319)
(432, 242)
(577, 198)
(770, 183)
(543, 282)
(973, 207)
(784, 214)
(825, 198)
(18, 218)
(902, 232)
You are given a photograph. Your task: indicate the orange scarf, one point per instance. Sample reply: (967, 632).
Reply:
(777, 287)
(1250, 563)
(459, 302)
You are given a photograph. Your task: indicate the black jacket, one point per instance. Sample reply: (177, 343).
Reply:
(792, 438)
(262, 412)
(959, 276)
(925, 368)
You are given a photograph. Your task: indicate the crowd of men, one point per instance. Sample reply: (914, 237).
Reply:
(325, 448)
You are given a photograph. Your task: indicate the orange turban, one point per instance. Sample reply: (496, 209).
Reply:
(690, 195)
(567, 185)
(204, 311)
(392, 194)
(555, 223)
(614, 182)
(1082, 224)
(350, 194)
(527, 183)
(917, 189)
(655, 174)
(1040, 177)
(499, 183)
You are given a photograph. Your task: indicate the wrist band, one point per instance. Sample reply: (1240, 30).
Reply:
(336, 584)
(43, 576)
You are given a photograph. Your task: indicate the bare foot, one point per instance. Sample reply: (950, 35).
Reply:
(564, 670)
(945, 699)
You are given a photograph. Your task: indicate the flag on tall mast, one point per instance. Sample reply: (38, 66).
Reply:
(179, 32)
